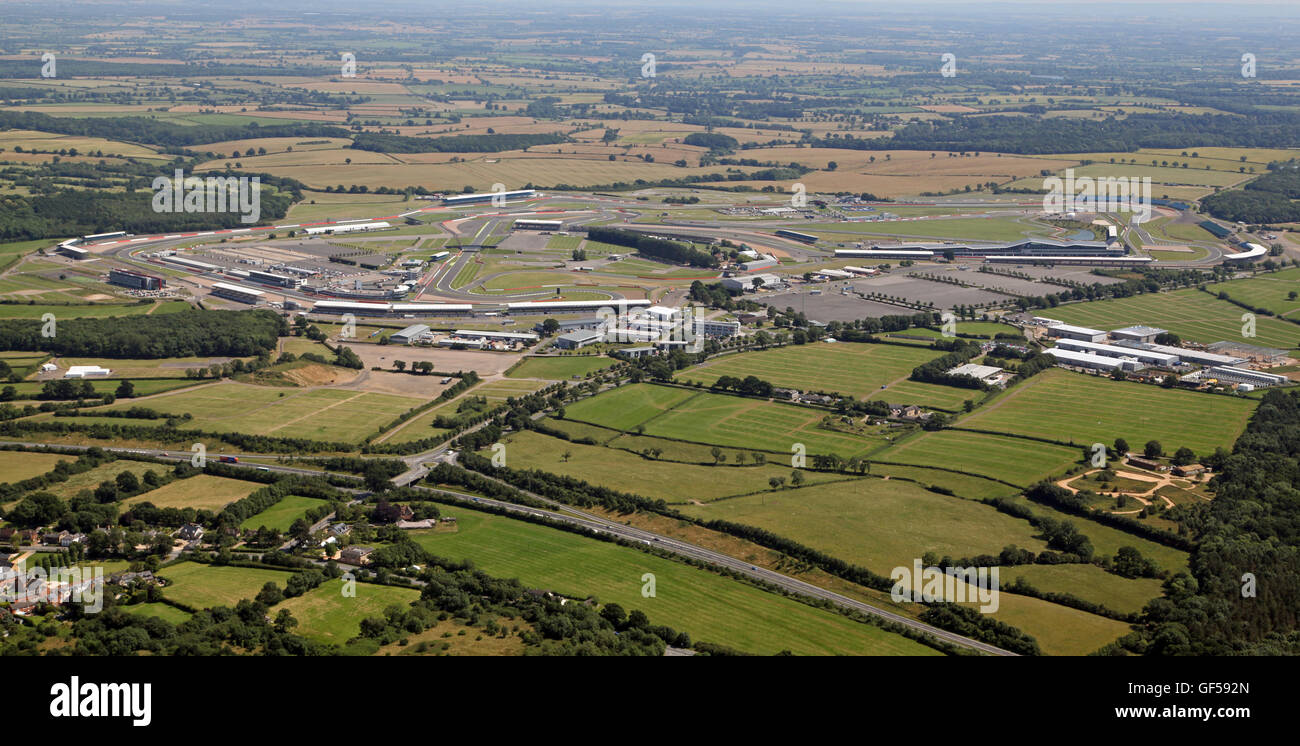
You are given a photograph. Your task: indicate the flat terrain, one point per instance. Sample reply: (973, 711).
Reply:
(857, 370)
(1015, 460)
(704, 605)
(1191, 314)
(201, 492)
(16, 466)
(282, 515)
(204, 586)
(325, 615)
(560, 368)
(1083, 409)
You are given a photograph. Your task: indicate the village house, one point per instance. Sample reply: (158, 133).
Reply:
(356, 555)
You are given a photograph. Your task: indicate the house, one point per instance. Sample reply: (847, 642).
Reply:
(70, 539)
(191, 532)
(340, 529)
(907, 412)
(817, 399)
(53, 539)
(1189, 470)
(125, 579)
(356, 555)
(404, 513)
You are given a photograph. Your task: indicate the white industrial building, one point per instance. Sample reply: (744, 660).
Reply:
(746, 283)
(1089, 360)
(1160, 359)
(714, 328)
(565, 306)
(237, 292)
(412, 333)
(1083, 333)
(989, 374)
(526, 337)
(86, 371)
(1197, 357)
(663, 313)
(579, 339)
(765, 262)
(1139, 333)
(1245, 375)
(835, 274)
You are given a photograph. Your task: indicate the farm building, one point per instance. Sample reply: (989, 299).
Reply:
(1082, 333)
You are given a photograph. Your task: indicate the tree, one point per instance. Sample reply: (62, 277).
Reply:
(127, 482)
(1153, 449)
(37, 509)
(125, 390)
(550, 326)
(270, 595)
(718, 455)
(1121, 447)
(1184, 456)
(399, 364)
(776, 482)
(796, 478)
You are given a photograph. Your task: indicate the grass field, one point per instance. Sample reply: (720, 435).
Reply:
(325, 615)
(1016, 460)
(1191, 314)
(560, 368)
(282, 515)
(204, 586)
(98, 310)
(1083, 409)
(201, 492)
(1089, 582)
(16, 466)
(1266, 290)
(877, 523)
(949, 398)
(318, 414)
(719, 419)
(858, 370)
(706, 606)
(628, 472)
(88, 480)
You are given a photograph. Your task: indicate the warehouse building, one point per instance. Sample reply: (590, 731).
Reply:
(579, 339)
(1158, 359)
(663, 313)
(238, 292)
(137, 280)
(593, 322)
(750, 283)
(525, 337)
(1254, 353)
(765, 262)
(412, 333)
(1245, 375)
(1138, 333)
(86, 371)
(1091, 361)
(989, 374)
(1195, 357)
(835, 274)
(1082, 333)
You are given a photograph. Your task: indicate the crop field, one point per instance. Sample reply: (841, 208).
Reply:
(205, 586)
(16, 466)
(705, 606)
(949, 398)
(560, 368)
(627, 472)
(319, 414)
(1266, 290)
(857, 370)
(1015, 460)
(719, 419)
(1082, 409)
(201, 492)
(1191, 314)
(325, 615)
(282, 515)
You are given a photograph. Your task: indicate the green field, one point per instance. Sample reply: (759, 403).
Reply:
(1193, 315)
(560, 368)
(1082, 409)
(1266, 290)
(1015, 460)
(706, 606)
(325, 615)
(719, 419)
(204, 586)
(877, 523)
(1089, 582)
(628, 472)
(857, 370)
(282, 515)
(201, 492)
(317, 414)
(16, 466)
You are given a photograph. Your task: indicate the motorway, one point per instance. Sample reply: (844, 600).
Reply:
(597, 524)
